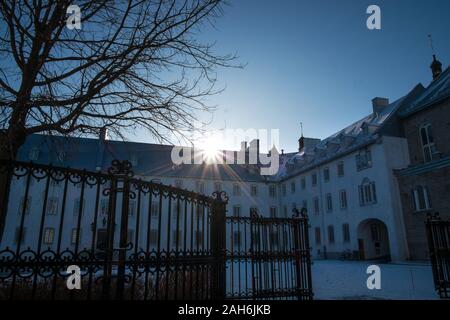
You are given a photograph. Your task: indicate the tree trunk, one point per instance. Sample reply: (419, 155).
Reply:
(8, 152)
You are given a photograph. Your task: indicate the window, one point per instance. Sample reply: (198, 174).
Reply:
(254, 190)
(76, 236)
(273, 238)
(428, 146)
(293, 187)
(20, 235)
(330, 234)
(49, 234)
(343, 199)
(34, 154)
(176, 238)
(236, 190)
(283, 189)
(236, 211)
(273, 212)
(179, 184)
(200, 186)
(237, 238)
(132, 208)
(155, 209)
(285, 211)
(363, 159)
(367, 192)
(133, 159)
(329, 200)
(340, 169)
(316, 205)
(317, 236)
(303, 183)
(217, 186)
(346, 232)
(61, 156)
(421, 198)
(76, 207)
(25, 205)
(104, 204)
(154, 237)
(130, 236)
(272, 191)
(198, 238)
(314, 179)
(52, 206)
(177, 211)
(305, 204)
(326, 174)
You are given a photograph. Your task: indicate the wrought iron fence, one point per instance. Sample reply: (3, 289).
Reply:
(135, 239)
(438, 233)
(132, 239)
(268, 258)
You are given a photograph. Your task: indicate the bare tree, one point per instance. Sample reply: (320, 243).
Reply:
(133, 63)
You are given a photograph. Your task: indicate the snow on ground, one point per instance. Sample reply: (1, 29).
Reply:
(347, 280)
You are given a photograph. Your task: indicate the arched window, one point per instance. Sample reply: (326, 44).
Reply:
(421, 198)
(367, 192)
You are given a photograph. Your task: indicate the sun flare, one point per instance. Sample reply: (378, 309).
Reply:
(210, 149)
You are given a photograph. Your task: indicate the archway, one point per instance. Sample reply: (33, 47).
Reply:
(373, 240)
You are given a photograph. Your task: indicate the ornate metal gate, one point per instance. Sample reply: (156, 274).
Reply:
(135, 239)
(269, 258)
(438, 233)
(131, 239)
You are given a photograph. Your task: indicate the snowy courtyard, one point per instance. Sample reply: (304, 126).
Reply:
(347, 280)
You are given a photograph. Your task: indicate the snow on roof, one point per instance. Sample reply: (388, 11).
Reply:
(438, 90)
(358, 134)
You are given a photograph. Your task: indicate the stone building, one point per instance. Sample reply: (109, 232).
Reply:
(425, 184)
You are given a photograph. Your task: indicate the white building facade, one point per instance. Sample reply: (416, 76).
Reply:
(345, 181)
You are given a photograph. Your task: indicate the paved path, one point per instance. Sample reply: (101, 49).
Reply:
(347, 280)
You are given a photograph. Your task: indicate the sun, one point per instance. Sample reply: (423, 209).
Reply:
(210, 149)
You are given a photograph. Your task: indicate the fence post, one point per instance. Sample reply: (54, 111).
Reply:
(302, 254)
(218, 245)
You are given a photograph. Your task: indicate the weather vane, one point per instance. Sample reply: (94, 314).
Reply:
(431, 43)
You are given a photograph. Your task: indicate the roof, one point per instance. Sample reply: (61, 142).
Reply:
(152, 159)
(438, 90)
(353, 137)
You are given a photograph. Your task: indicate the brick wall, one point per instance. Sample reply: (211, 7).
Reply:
(439, 117)
(438, 183)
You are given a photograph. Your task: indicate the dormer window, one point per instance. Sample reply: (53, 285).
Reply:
(428, 146)
(363, 159)
(34, 154)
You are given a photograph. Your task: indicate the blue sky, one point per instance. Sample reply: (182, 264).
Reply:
(316, 62)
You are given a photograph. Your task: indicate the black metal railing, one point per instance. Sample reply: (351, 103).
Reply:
(438, 234)
(268, 258)
(131, 239)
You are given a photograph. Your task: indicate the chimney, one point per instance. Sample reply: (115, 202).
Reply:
(436, 67)
(378, 104)
(103, 134)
